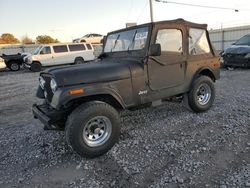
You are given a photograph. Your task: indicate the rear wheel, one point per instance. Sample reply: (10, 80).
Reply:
(93, 128)
(202, 94)
(36, 67)
(79, 60)
(14, 66)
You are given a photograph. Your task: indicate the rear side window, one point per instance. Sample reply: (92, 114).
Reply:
(198, 43)
(60, 49)
(170, 40)
(89, 46)
(76, 47)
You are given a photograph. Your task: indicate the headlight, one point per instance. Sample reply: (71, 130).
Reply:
(27, 59)
(41, 82)
(53, 85)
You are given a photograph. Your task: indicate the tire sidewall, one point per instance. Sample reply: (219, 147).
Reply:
(76, 123)
(193, 103)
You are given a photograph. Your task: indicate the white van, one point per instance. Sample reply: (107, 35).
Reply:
(59, 54)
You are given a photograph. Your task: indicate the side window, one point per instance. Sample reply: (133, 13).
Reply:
(45, 50)
(89, 46)
(76, 47)
(198, 43)
(170, 40)
(60, 49)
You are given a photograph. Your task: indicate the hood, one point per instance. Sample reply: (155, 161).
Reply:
(94, 72)
(238, 49)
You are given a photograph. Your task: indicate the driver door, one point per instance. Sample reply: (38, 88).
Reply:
(167, 70)
(45, 56)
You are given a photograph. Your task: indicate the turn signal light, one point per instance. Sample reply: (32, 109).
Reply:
(76, 91)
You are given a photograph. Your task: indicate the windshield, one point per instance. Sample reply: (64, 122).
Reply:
(37, 50)
(134, 39)
(244, 40)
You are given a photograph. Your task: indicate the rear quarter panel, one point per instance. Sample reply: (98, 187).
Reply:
(196, 64)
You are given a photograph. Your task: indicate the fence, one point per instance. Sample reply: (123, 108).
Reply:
(220, 38)
(14, 49)
(223, 38)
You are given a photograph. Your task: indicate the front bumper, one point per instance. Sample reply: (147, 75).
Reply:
(51, 118)
(235, 60)
(27, 66)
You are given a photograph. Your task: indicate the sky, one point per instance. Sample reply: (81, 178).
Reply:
(70, 19)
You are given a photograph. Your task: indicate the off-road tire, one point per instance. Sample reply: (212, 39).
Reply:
(192, 97)
(36, 67)
(78, 119)
(14, 66)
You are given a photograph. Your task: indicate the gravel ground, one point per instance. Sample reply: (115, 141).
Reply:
(164, 146)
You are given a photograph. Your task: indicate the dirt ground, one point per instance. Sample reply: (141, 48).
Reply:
(164, 146)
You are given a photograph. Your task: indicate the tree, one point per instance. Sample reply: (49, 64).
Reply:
(45, 39)
(26, 40)
(8, 38)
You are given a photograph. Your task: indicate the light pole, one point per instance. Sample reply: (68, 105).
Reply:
(151, 10)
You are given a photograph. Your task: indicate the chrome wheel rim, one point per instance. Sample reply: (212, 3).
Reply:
(97, 131)
(203, 94)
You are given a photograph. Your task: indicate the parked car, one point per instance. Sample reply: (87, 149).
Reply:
(59, 54)
(238, 54)
(2, 64)
(140, 66)
(92, 38)
(14, 61)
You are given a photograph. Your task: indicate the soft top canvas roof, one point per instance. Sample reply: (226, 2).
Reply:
(179, 21)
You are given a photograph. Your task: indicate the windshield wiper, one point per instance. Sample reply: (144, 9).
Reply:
(132, 42)
(115, 43)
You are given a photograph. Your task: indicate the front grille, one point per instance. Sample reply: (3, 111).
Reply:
(47, 87)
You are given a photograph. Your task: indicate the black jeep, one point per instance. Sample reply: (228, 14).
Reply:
(141, 65)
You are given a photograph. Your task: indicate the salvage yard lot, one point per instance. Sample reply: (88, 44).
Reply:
(159, 147)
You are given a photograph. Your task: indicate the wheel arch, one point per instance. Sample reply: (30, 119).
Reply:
(36, 61)
(109, 98)
(205, 72)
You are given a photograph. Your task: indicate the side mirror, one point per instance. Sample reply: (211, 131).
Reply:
(155, 50)
(233, 43)
(41, 52)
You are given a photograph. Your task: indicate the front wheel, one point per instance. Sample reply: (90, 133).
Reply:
(35, 67)
(202, 94)
(92, 129)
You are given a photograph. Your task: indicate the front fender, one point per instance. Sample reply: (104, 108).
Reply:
(62, 96)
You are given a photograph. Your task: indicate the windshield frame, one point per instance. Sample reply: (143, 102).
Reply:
(136, 52)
